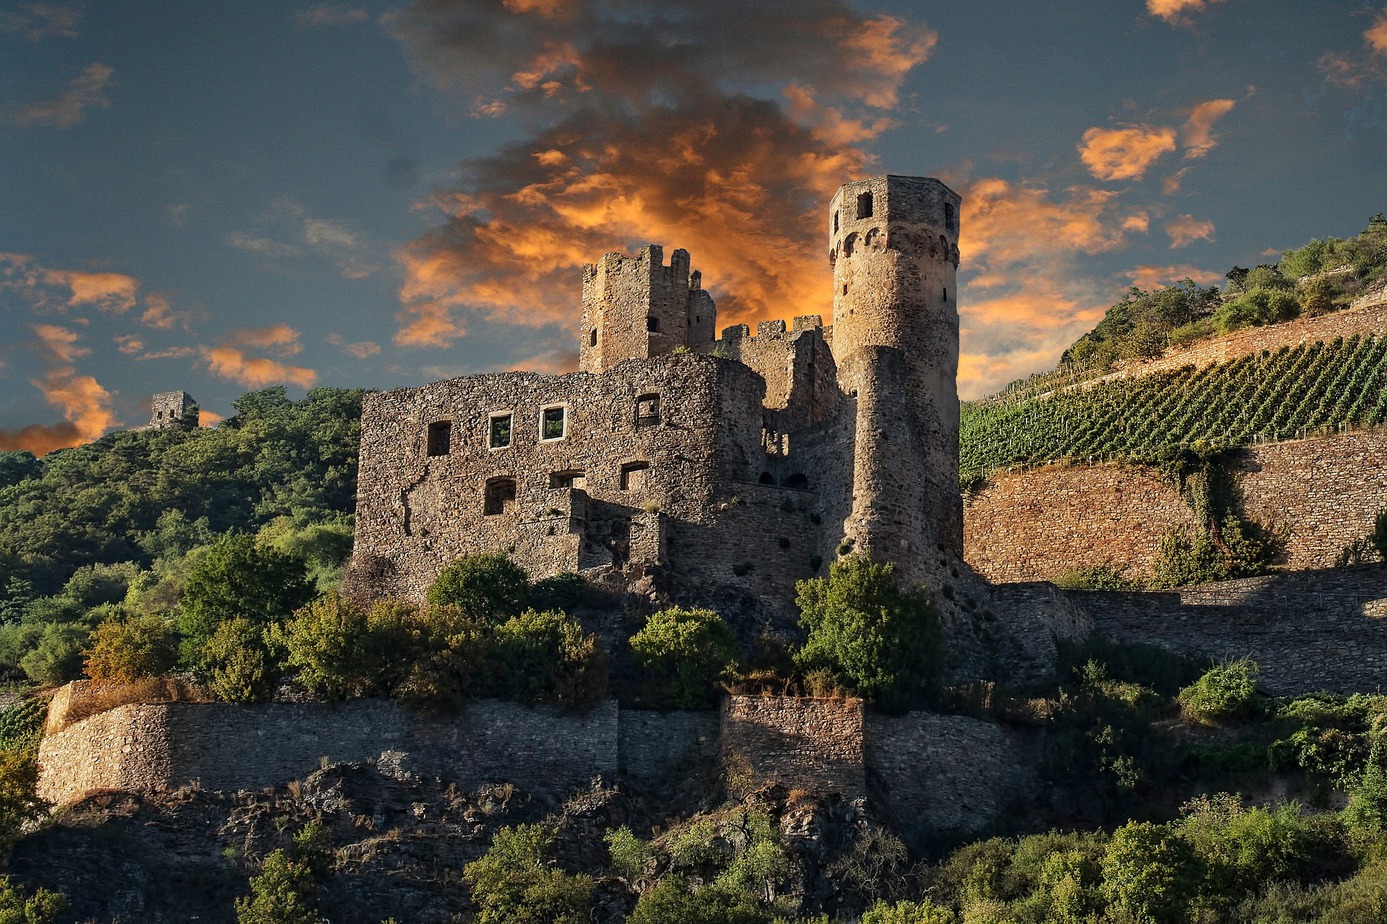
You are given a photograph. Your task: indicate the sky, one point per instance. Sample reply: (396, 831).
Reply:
(220, 197)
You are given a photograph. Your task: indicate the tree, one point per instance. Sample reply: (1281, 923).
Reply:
(19, 802)
(516, 883)
(684, 652)
(547, 657)
(126, 649)
(874, 638)
(341, 651)
(489, 587)
(239, 580)
(1149, 874)
(237, 664)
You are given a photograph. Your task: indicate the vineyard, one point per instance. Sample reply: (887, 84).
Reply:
(1261, 397)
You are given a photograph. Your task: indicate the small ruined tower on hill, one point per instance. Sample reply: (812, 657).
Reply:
(173, 409)
(894, 252)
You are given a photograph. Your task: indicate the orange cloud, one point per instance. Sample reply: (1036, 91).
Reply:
(206, 418)
(1198, 132)
(41, 439)
(1186, 229)
(1174, 11)
(1014, 335)
(1007, 225)
(1139, 222)
(230, 361)
(1155, 277)
(85, 404)
(59, 343)
(114, 292)
(1124, 153)
(1376, 36)
(157, 313)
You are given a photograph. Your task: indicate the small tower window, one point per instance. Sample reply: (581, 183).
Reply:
(652, 324)
(647, 410)
(767, 478)
(864, 205)
(799, 481)
(946, 293)
(499, 430)
(592, 337)
(500, 496)
(835, 221)
(440, 437)
(634, 476)
(950, 218)
(553, 423)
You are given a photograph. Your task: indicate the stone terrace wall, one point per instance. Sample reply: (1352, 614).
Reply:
(1035, 525)
(813, 744)
(945, 772)
(655, 744)
(1308, 631)
(152, 748)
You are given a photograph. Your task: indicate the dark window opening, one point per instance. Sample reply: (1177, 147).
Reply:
(552, 423)
(569, 478)
(849, 244)
(864, 205)
(440, 437)
(500, 433)
(634, 476)
(946, 293)
(652, 324)
(500, 496)
(592, 337)
(798, 481)
(949, 218)
(766, 478)
(647, 410)
(845, 288)
(944, 245)
(835, 221)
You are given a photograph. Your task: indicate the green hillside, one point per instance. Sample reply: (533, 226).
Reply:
(1265, 396)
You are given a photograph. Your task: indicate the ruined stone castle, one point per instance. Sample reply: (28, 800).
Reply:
(676, 459)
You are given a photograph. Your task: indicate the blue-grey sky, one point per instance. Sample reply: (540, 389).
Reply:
(224, 196)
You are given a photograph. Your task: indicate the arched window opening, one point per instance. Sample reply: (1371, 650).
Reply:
(635, 476)
(849, 244)
(766, 478)
(950, 217)
(440, 437)
(500, 496)
(799, 481)
(647, 410)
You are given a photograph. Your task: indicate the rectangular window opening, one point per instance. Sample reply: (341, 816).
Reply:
(647, 410)
(499, 431)
(570, 478)
(864, 205)
(440, 437)
(634, 476)
(553, 423)
(500, 496)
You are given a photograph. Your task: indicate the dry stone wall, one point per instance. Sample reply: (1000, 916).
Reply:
(813, 744)
(1321, 493)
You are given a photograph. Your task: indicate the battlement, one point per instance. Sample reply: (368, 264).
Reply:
(637, 307)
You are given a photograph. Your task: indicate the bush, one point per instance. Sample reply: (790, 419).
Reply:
(876, 639)
(57, 656)
(1226, 692)
(452, 661)
(238, 579)
(676, 898)
(42, 907)
(285, 892)
(1366, 811)
(908, 913)
(490, 588)
(124, 650)
(1149, 874)
(237, 663)
(341, 651)
(515, 883)
(547, 657)
(19, 802)
(684, 653)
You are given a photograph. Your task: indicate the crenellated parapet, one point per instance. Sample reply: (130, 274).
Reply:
(636, 307)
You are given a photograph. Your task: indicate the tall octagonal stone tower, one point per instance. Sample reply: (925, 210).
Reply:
(894, 251)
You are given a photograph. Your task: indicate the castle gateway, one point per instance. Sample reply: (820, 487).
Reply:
(679, 461)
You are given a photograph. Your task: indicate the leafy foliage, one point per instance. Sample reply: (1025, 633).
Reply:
(488, 587)
(16, 907)
(130, 647)
(684, 653)
(238, 664)
(547, 657)
(285, 891)
(515, 882)
(875, 638)
(1226, 692)
(239, 579)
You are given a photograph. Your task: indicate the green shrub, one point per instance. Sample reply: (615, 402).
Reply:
(21, 723)
(1366, 811)
(1096, 578)
(909, 913)
(516, 883)
(1149, 874)
(19, 802)
(237, 663)
(878, 640)
(57, 655)
(42, 907)
(238, 579)
(683, 653)
(128, 649)
(341, 651)
(283, 893)
(452, 661)
(547, 657)
(1226, 692)
(489, 587)
(677, 898)
(629, 854)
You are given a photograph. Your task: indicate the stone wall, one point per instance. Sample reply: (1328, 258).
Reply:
(948, 773)
(654, 745)
(813, 744)
(1308, 631)
(1322, 493)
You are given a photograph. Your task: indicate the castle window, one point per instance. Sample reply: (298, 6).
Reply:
(553, 423)
(592, 338)
(835, 221)
(569, 478)
(499, 430)
(950, 218)
(864, 205)
(634, 476)
(500, 496)
(767, 478)
(652, 324)
(946, 293)
(440, 437)
(647, 411)
(799, 481)
(944, 245)
(849, 244)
